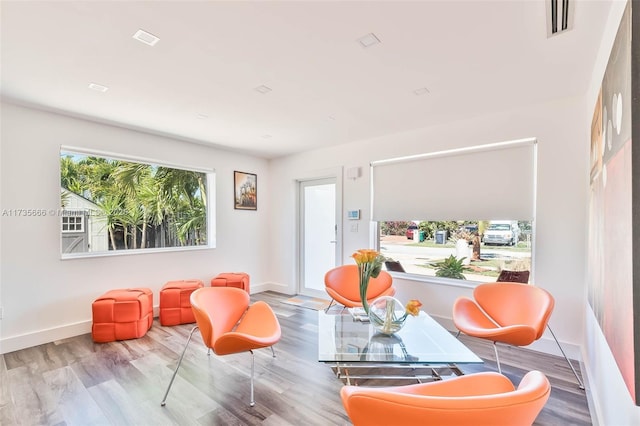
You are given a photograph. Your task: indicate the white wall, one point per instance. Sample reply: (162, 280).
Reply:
(610, 401)
(45, 298)
(561, 130)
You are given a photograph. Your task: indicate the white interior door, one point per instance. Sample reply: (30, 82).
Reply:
(319, 234)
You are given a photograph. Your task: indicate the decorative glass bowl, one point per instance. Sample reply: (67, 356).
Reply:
(387, 314)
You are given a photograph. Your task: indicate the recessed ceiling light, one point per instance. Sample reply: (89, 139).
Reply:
(262, 89)
(98, 87)
(146, 38)
(368, 40)
(421, 91)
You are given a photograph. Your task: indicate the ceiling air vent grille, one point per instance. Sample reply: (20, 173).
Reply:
(559, 16)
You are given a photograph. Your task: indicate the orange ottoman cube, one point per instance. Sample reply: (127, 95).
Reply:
(231, 279)
(122, 314)
(175, 306)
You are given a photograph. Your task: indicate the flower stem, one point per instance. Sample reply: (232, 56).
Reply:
(388, 318)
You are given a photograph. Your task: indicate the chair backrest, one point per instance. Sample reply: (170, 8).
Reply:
(345, 281)
(217, 310)
(451, 405)
(516, 303)
(513, 276)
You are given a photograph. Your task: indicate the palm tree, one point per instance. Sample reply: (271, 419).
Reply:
(111, 206)
(132, 179)
(185, 191)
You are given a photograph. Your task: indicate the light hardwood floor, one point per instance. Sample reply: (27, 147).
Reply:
(77, 382)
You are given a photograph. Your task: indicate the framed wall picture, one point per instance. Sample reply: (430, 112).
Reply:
(245, 191)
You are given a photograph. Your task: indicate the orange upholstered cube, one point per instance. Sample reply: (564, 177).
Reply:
(175, 306)
(122, 314)
(231, 279)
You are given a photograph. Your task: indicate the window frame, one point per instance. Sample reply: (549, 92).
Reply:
(210, 184)
(64, 216)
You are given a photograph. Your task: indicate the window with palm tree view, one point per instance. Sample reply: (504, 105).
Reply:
(109, 205)
(466, 250)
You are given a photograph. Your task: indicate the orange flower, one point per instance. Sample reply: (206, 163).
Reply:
(413, 307)
(365, 256)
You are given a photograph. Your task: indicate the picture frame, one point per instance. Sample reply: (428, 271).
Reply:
(245, 191)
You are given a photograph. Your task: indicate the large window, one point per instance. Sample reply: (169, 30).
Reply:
(482, 249)
(111, 204)
(438, 212)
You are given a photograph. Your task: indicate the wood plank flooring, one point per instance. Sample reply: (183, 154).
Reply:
(78, 382)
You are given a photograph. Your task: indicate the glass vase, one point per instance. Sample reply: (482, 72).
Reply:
(387, 315)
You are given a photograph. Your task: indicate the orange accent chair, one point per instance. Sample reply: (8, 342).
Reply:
(122, 314)
(486, 398)
(507, 312)
(232, 279)
(229, 325)
(343, 285)
(175, 304)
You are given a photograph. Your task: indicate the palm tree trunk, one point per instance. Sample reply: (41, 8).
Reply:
(113, 240)
(135, 236)
(203, 193)
(143, 243)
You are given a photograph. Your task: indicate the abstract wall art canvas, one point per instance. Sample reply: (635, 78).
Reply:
(614, 208)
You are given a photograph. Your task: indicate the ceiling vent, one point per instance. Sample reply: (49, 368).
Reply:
(559, 16)
(368, 40)
(262, 89)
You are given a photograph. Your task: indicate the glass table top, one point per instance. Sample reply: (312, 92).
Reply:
(341, 338)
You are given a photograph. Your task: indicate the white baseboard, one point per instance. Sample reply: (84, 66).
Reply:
(279, 288)
(40, 337)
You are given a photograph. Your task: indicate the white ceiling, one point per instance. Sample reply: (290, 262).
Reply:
(473, 56)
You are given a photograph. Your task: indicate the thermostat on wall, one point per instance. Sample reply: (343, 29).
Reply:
(353, 214)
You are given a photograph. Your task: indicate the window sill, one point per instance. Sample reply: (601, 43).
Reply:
(434, 280)
(133, 252)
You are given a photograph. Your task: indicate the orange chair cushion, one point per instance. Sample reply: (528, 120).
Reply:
(228, 324)
(232, 279)
(175, 306)
(343, 285)
(477, 399)
(122, 314)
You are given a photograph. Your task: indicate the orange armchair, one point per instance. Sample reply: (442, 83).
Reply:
(343, 285)
(228, 325)
(507, 312)
(487, 398)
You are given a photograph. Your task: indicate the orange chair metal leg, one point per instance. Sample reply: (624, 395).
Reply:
(253, 401)
(164, 400)
(495, 349)
(580, 384)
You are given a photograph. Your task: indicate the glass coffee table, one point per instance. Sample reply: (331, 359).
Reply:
(422, 350)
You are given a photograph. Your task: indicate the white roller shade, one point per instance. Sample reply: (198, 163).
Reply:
(495, 181)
